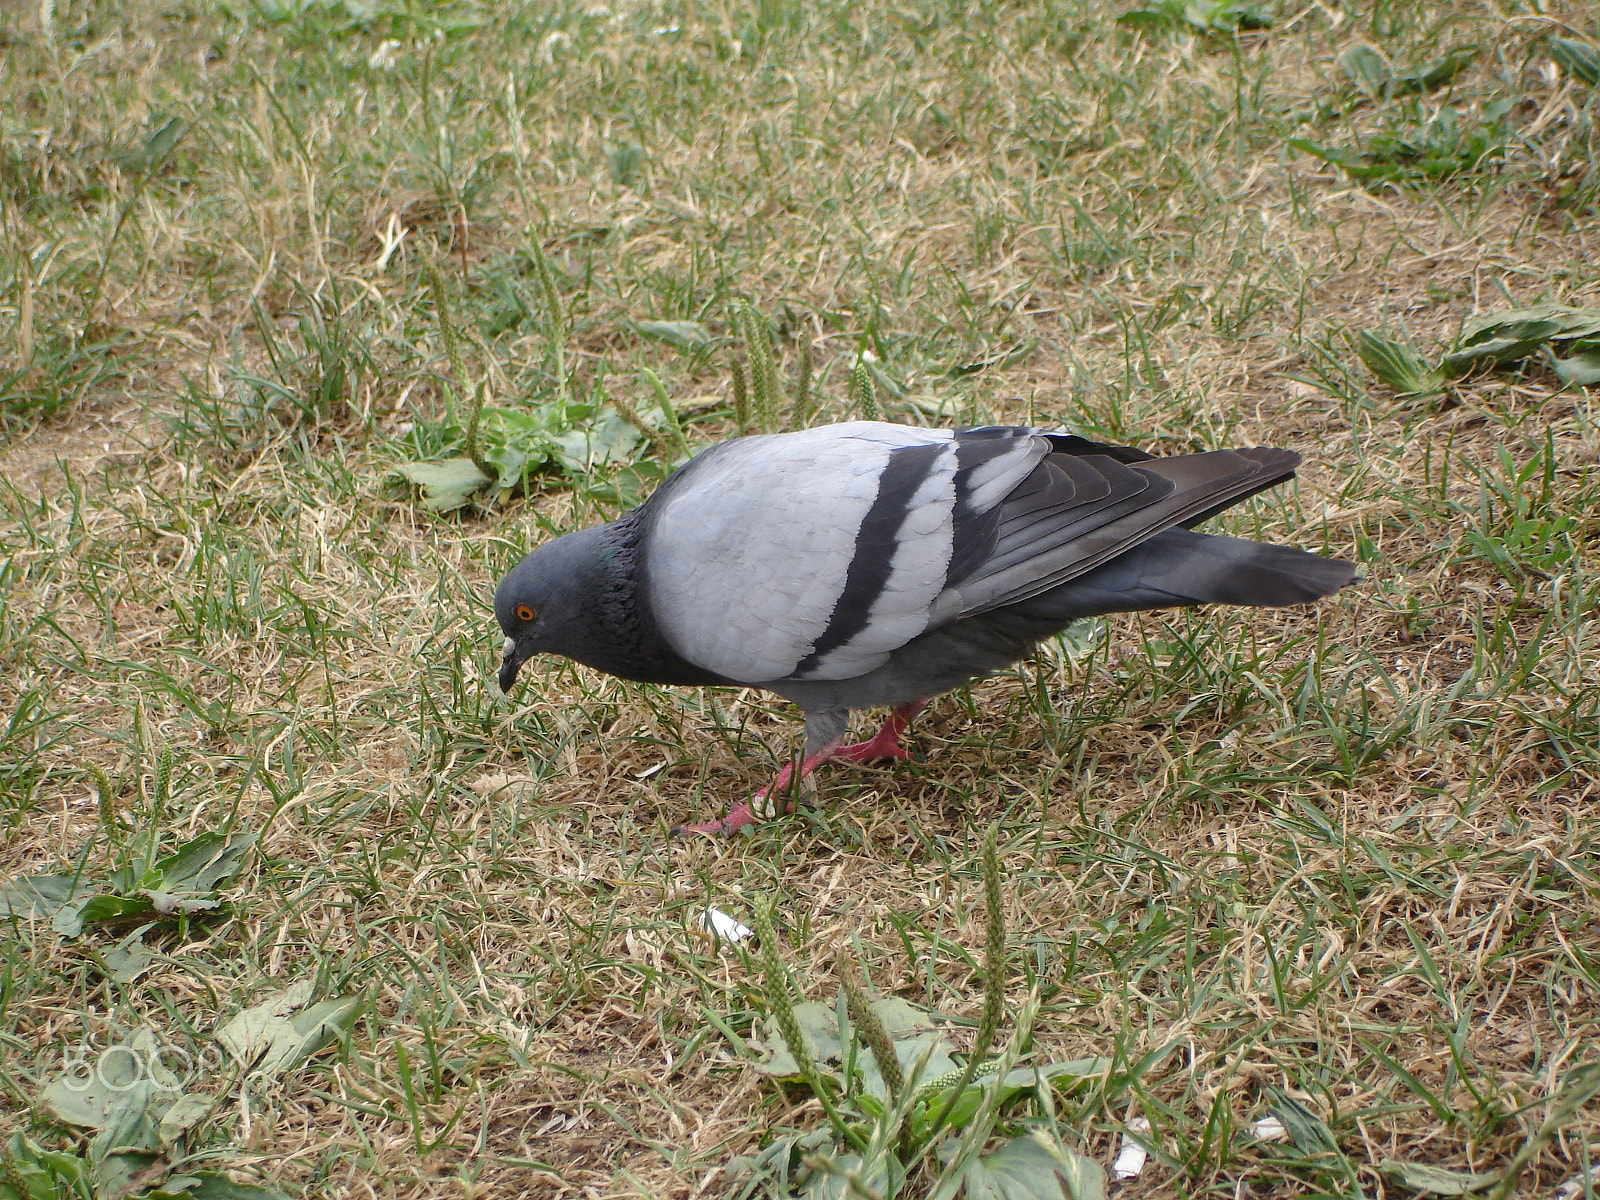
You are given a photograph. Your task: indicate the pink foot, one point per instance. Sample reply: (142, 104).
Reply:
(879, 747)
(741, 815)
(886, 742)
(738, 817)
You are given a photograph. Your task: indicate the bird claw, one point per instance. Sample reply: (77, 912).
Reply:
(738, 817)
(879, 749)
(883, 745)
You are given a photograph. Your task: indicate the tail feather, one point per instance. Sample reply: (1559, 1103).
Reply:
(1179, 569)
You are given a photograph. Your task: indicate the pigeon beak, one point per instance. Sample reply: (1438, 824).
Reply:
(510, 664)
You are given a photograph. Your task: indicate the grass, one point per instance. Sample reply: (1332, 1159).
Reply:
(1337, 865)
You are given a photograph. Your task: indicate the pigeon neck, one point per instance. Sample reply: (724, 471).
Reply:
(634, 646)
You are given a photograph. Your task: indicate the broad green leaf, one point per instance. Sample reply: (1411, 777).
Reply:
(214, 1186)
(156, 147)
(47, 1174)
(121, 1094)
(174, 1187)
(834, 1181)
(1582, 366)
(163, 140)
(448, 484)
(119, 1079)
(272, 1037)
(1396, 366)
(902, 1017)
(129, 1128)
(204, 863)
(69, 922)
(1036, 1166)
(1420, 1177)
(1160, 14)
(1352, 164)
(79, 1098)
(629, 486)
(1367, 69)
(130, 958)
(910, 1049)
(1578, 59)
(182, 1115)
(1306, 1130)
(35, 897)
(1440, 73)
(819, 1029)
(1016, 1082)
(124, 1172)
(608, 439)
(826, 1034)
(1511, 334)
(185, 877)
(685, 335)
(780, 1158)
(209, 1185)
(1247, 15)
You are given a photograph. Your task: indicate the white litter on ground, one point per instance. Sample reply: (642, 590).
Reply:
(723, 927)
(1132, 1156)
(1268, 1129)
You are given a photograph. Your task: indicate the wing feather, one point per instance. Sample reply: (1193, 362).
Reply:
(1042, 542)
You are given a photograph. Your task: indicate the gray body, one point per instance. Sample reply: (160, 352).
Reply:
(865, 564)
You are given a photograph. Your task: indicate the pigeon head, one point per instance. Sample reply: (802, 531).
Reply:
(546, 604)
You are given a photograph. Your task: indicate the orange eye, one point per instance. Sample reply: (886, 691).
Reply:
(524, 613)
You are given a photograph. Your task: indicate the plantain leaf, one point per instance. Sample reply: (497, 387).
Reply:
(1400, 369)
(685, 335)
(271, 1037)
(1354, 165)
(130, 958)
(1502, 337)
(1420, 1177)
(1036, 1166)
(1367, 69)
(1578, 59)
(445, 485)
(44, 1174)
(1582, 366)
(827, 1036)
(71, 918)
(204, 863)
(213, 1185)
(1306, 1130)
(34, 897)
(1442, 72)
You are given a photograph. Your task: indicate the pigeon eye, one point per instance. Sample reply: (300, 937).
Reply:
(524, 613)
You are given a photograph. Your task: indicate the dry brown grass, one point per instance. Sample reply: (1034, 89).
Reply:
(1350, 851)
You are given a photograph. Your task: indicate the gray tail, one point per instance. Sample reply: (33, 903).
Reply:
(1179, 569)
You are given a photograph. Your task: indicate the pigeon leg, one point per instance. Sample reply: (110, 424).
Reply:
(886, 742)
(823, 734)
(741, 815)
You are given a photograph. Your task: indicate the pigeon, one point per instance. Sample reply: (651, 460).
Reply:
(867, 564)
